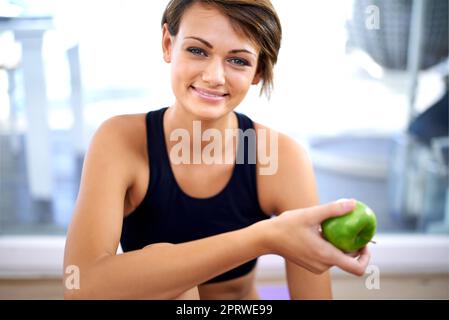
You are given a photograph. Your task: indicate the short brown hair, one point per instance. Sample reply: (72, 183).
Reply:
(257, 19)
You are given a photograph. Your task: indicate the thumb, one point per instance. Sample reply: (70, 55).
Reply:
(334, 209)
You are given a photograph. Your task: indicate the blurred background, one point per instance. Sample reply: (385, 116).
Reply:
(362, 84)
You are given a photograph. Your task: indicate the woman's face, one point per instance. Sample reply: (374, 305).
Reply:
(213, 66)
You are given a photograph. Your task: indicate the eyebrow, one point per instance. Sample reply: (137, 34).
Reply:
(206, 43)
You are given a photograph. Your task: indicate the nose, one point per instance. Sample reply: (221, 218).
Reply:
(214, 73)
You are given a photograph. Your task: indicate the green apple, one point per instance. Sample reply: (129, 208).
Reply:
(351, 231)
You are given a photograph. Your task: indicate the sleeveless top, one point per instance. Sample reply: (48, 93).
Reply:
(167, 214)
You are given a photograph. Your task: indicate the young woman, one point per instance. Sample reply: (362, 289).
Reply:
(191, 227)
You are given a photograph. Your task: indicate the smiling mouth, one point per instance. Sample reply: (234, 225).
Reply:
(209, 94)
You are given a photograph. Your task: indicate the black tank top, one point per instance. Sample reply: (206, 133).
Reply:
(167, 214)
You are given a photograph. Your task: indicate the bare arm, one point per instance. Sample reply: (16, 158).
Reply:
(302, 283)
(294, 187)
(164, 271)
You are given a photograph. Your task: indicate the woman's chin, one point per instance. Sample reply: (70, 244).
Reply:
(208, 112)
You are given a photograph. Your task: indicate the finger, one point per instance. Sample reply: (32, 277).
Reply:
(331, 254)
(364, 258)
(353, 254)
(352, 265)
(334, 209)
(357, 253)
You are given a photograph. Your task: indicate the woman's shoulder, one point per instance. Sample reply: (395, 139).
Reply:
(285, 144)
(117, 154)
(120, 139)
(127, 131)
(124, 123)
(284, 160)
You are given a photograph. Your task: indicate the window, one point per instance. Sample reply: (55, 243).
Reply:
(346, 108)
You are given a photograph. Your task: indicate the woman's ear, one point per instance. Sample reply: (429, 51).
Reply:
(166, 43)
(256, 78)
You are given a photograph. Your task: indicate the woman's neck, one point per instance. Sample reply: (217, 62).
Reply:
(177, 119)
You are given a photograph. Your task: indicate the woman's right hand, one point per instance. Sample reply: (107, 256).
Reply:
(296, 236)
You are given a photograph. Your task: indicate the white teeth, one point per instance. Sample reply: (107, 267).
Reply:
(209, 94)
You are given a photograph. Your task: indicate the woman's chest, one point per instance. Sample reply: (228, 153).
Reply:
(195, 180)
